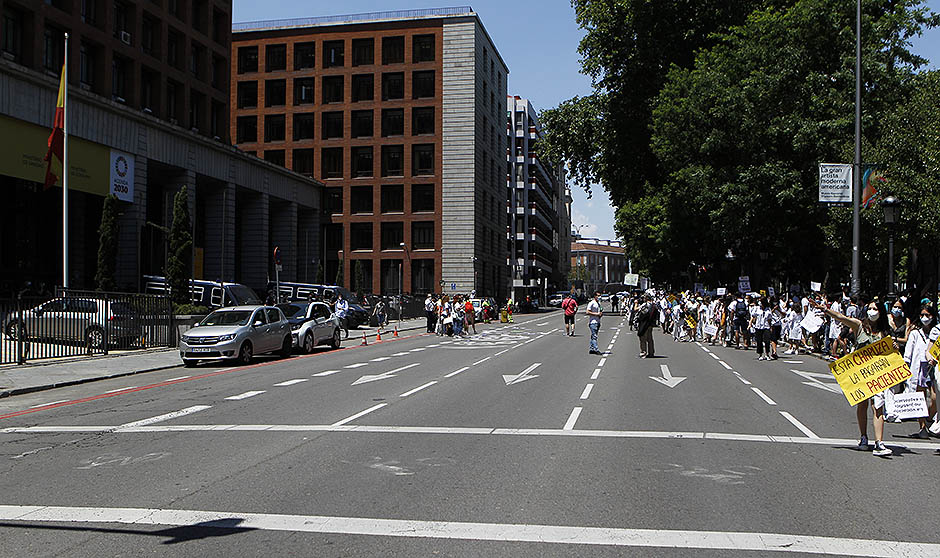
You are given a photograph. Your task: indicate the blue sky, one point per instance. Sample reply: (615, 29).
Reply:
(538, 39)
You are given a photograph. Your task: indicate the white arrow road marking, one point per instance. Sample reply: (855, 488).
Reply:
(764, 543)
(383, 376)
(245, 395)
(290, 382)
(814, 380)
(515, 379)
(668, 379)
(168, 416)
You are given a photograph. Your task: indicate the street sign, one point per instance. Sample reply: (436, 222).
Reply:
(453, 286)
(277, 255)
(278, 267)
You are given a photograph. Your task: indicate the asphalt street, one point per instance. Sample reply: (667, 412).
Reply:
(512, 442)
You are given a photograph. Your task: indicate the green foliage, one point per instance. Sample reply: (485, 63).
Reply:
(189, 310)
(579, 273)
(339, 273)
(179, 262)
(360, 280)
(319, 276)
(107, 245)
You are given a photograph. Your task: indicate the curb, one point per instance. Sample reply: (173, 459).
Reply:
(32, 389)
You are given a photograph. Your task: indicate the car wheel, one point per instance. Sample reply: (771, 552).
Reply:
(286, 347)
(245, 353)
(335, 342)
(94, 338)
(189, 363)
(308, 343)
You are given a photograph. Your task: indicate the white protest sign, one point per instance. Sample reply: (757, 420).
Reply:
(771, 291)
(631, 279)
(907, 405)
(811, 323)
(699, 288)
(835, 183)
(744, 284)
(721, 291)
(711, 330)
(815, 287)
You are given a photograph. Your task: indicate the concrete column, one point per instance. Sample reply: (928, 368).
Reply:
(219, 254)
(252, 223)
(284, 235)
(127, 274)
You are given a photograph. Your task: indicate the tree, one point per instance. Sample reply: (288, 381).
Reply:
(339, 273)
(319, 277)
(579, 273)
(179, 262)
(107, 245)
(360, 279)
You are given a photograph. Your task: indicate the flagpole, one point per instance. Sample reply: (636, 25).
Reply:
(65, 168)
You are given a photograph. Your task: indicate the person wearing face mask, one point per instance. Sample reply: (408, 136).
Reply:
(873, 327)
(900, 326)
(917, 357)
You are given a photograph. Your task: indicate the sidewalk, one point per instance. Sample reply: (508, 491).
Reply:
(53, 373)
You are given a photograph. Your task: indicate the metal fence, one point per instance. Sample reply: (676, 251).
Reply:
(82, 323)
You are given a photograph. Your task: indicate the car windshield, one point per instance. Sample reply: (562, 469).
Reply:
(227, 317)
(243, 295)
(293, 310)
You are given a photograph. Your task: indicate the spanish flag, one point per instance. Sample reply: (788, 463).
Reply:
(57, 137)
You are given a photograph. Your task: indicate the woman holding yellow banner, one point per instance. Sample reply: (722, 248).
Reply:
(871, 328)
(918, 358)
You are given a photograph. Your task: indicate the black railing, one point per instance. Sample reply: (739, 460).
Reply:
(77, 323)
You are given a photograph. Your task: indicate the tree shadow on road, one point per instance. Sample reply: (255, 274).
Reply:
(174, 535)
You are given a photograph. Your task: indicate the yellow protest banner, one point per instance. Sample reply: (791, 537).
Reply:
(870, 370)
(935, 350)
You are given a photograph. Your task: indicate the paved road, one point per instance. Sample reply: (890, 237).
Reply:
(514, 442)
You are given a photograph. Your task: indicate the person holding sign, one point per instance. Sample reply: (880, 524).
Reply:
(917, 356)
(869, 330)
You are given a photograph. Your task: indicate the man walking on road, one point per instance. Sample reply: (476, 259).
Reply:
(341, 307)
(429, 310)
(570, 306)
(594, 311)
(645, 318)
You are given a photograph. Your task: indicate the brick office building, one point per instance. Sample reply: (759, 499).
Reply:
(400, 115)
(148, 88)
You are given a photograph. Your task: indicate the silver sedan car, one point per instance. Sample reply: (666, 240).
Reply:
(237, 333)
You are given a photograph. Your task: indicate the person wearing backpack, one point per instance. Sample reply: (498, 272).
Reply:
(742, 316)
(570, 306)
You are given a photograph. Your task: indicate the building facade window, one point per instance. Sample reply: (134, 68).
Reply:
(333, 204)
(393, 234)
(247, 94)
(422, 121)
(304, 91)
(422, 160)
(422, 235)
(303, 161)
(332, 125)
(363, 52)
(362, 125)
(275, 92)
(363, 88)
(275, 156)
(422, 198)
(333, 54)
(422, 48)
(305, 57)
(118, 79)
(305, 126)
(273, 127)
(332, 89)
(86, 64)
(393, 122)
(361, 158)
(246, 129)
(393, 50)
(393, 160)
(331, 162)
(360, 236)
(52, 49)
(275, 58)
(360, 201)
(422, 276)
(393, 198)
(247, 59)
(393, 86)
(12, 33)
(422, 84)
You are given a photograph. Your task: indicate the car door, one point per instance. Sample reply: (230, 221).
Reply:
(324, 325)
(259, 330)
(277, 328)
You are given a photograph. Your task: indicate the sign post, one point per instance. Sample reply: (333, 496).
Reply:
(277, 274)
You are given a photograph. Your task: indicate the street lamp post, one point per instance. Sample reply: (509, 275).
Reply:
(892, 212)
(401, 283)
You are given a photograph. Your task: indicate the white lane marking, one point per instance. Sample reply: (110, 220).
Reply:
(120, 389)
(290, 382)
(168, 416)
(50, 403)
(699, 344)
(803, 428)
(400, 354)
(379, 359)
(587, 391)
(763, 396)
(418, 349)
(455, 372)
(714, 356)
(482, 360)
(501, 352)
(743, 379)
(326, 373)
(597, 372)
(419, 388)
(359, 414)
(725, 364)
(177, 378)
(245, 395)
(383, 376)
(602, 362)
(357, 365)
(543, 324)
(517, 346)
(495, 532)
(572, 419)
(793, 361)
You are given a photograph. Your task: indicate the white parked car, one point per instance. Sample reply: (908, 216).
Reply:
(237, 333)
(312, 324)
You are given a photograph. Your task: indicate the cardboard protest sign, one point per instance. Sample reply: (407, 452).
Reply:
(870, 370)
(722, 291)
(935, 350)
(811, 323)
(815, 287)
(710, 330)
(908, 405)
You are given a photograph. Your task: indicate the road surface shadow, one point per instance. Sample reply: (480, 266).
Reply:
(174, 535)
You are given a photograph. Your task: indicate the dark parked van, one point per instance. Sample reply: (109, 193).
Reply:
(210, 294)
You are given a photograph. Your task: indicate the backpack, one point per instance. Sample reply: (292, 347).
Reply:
(740, 310)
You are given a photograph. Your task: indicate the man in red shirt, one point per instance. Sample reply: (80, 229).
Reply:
(470, 315)
(570, 307)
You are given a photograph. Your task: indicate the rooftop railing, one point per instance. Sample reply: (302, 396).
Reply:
(350, 18)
